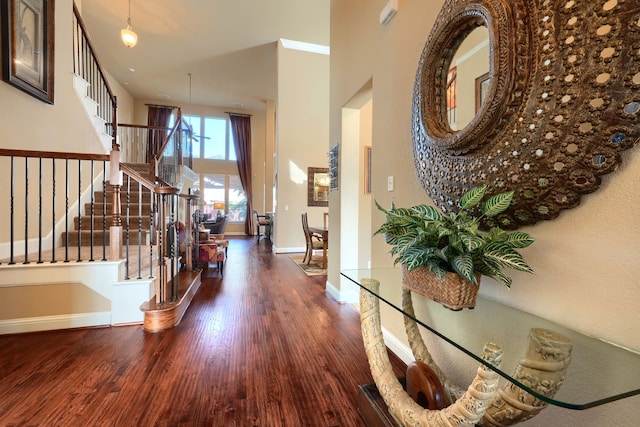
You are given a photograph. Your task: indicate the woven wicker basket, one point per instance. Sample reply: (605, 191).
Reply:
(453, 291)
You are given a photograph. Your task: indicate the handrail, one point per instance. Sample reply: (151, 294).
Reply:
(163, 188)
(84, 51)
(168, 159)
(169, 136)
(53, 155)
(76, 12)
(130, 125)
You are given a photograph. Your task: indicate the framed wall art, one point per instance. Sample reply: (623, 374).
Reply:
(333, 167)
(367, 170)
(28, 46)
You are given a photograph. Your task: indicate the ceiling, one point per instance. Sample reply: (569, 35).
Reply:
(228, 46)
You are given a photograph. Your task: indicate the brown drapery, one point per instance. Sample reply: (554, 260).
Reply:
(157, 116)
(241, 129)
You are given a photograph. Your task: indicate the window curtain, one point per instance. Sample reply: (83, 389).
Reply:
(157, 116)
(241, 129)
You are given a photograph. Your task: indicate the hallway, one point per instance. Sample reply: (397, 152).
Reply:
(263, 346)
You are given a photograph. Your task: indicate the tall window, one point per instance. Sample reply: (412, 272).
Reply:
(213, 141)
(194, 122)
(213, 138)
(225, 189)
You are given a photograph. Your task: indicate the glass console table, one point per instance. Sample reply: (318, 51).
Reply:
(600, 372)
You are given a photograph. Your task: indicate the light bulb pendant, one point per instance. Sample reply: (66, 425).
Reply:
(128, 36)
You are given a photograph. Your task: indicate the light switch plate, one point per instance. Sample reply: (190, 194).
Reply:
(390, 183)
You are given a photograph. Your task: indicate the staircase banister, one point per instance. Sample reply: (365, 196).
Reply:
(176, 126)
(163, 188)
(93, 52)
(131, 125)
(53, 155)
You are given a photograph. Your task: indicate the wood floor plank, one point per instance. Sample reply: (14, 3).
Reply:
(263, 346)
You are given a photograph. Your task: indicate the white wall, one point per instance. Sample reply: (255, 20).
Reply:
(302, 140)
(586, 261)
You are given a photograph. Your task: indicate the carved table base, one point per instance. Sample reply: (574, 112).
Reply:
(542, 369)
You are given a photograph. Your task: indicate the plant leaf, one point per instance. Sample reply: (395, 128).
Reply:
(437, 269)
(471, 241)
(429, 213)
(463, 265)
(472, 197)
(506, 257)
(519, 239)
(491, 269)
(497, 204)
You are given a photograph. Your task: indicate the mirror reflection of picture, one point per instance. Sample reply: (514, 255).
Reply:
(321, 186)
(482, 87)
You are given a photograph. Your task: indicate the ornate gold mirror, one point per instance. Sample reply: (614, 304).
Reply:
(318, 187)
(561, 101)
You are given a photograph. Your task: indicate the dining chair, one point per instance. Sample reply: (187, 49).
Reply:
(263, 221)
(314, 241)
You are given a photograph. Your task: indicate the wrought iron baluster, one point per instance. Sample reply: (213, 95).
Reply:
(161, 261)
(104, 210)
(12, 219)
(126, 233)
(153, 200)
(79, 210)
(91, 214)
(26, 210)
(66, 211)
(140, 230)
(172, 246)
(40, 210)
(53, 211)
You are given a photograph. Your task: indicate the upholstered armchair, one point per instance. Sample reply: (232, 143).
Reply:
(209, 252)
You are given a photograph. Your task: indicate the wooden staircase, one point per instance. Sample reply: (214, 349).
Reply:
(138, 220)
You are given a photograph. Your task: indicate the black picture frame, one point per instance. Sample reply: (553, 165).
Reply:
(28, 32)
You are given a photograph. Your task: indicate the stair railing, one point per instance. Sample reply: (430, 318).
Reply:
(87, 66)
(45, 194)
(174, 152)
(134, 141)
(54, 215)
(163, 218)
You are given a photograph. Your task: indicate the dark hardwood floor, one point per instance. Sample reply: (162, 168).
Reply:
(263, 346)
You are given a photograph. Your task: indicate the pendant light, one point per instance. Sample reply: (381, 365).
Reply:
(129, 37)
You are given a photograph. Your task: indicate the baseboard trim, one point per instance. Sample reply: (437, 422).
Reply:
(397, 347)
(49, 323)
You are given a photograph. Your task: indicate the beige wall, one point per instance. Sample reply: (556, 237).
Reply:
(27, 123)
(302, 140)
(586, 261)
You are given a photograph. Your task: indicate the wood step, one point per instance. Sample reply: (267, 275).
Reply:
(97, 237)
(98, 222)
(133, 196)
(97, 208)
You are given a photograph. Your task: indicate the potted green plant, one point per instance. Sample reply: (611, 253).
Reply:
(452, 248)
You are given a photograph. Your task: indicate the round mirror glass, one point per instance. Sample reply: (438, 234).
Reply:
(468, 79)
